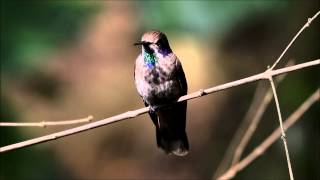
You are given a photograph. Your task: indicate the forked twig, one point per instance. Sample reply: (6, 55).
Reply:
(256, 117)
(241, 138)
(261, 148)
(307, 24)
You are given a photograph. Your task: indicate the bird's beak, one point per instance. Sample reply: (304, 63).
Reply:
(138, 43)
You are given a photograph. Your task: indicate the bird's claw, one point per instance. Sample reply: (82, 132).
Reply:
(153, 109)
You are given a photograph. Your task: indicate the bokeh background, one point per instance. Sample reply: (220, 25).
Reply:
(65, 60)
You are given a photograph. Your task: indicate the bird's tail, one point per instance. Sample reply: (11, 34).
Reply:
(177, 145)
(170, 129)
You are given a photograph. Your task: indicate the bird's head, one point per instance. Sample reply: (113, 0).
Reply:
(155, 42)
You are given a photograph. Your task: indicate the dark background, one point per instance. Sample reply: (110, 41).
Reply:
(64, 60)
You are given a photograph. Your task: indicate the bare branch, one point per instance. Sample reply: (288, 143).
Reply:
(135, 113)
(283, 136)
(256, 117)
(260, 149)
(248, 126)
(47, 123)
(249, 133)
(239, 135)
(307, 24)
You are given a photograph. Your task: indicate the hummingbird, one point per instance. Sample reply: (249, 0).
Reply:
(160, 81)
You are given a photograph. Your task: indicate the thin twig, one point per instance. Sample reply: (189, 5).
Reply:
(261, 148)
(250, 131)
(239, 134)
(47, 123)
(254, 123)
(248, 126)
(255, 119)
(283, 136)
(307, 24)
(135, 113)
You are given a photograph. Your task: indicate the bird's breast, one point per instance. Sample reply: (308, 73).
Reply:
(157, 85)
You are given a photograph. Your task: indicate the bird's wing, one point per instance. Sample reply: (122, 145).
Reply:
(181, 78)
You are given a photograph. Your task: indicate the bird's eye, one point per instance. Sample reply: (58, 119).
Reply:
(158, 43)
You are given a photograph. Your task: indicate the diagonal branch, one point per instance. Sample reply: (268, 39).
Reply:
(239, 135)
(260, 149)
(135, 113)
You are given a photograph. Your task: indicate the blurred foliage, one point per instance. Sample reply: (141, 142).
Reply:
(16, 164)
(32, 30)
(207, 18)
(7, 112)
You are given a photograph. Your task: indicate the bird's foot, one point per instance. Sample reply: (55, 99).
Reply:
(153, 109)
